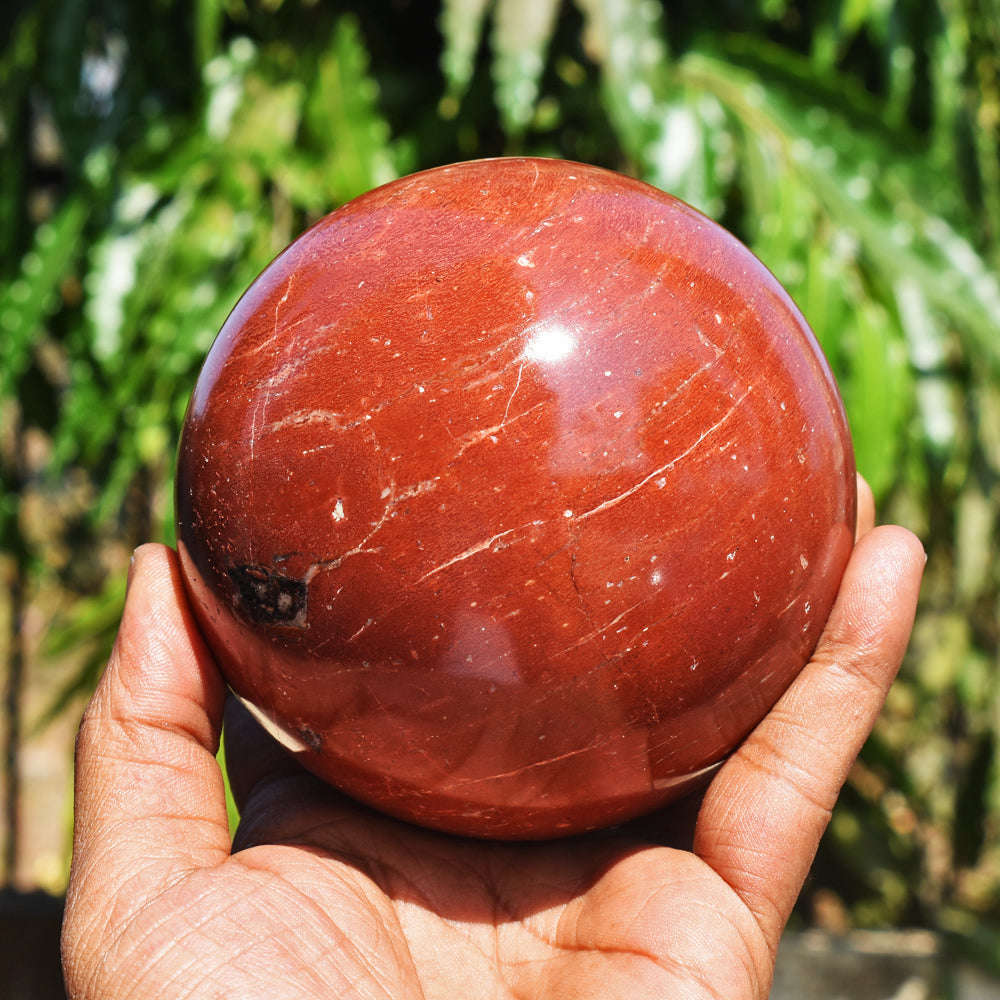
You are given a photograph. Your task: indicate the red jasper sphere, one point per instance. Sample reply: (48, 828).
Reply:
(512, 495)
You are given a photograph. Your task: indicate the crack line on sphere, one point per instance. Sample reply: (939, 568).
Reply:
(473, 438)
(475, 550)
(707, 367)
(302, 417)
(517, 385)
(463, 782)
(394, 499)
(600, 629)
(666, 467)
(261, 409)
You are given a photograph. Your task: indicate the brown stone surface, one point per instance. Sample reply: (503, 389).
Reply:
(513, 494)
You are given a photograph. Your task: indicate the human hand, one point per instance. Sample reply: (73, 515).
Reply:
(320, 897)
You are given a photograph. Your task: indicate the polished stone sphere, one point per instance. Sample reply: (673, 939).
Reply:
(512, 495)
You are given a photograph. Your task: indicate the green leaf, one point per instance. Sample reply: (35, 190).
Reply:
(626, 39)
(224, 80)
(137, 246)
(522, 30)
(343, 117)
(208, 16)
(928, 349)
(265, 125)
(862, 183)
(855, 14)
(691, 155)
(679, 138)
(877, 395)
(89, 626)
(461, 25)
(33, 295)
(232, 812)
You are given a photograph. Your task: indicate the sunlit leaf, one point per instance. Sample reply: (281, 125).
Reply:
(626, 38)
(521, 33)
(898, 235)
(461, 23)
(224, 78)
(975, 536)
(344, 103)
(267, 120)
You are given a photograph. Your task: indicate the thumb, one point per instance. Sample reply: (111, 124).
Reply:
(764, 814)
(149, 797)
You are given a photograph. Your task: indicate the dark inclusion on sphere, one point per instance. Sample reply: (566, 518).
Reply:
(512, 496)
(268, 598)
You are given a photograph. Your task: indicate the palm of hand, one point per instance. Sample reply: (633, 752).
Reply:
(318, 897)
(412, 914)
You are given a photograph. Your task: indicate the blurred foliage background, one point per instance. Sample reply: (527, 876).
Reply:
(154, 157)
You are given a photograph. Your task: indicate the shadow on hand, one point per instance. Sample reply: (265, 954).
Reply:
(457, 878)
